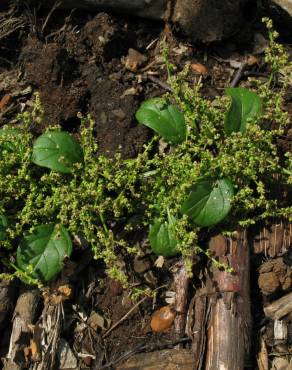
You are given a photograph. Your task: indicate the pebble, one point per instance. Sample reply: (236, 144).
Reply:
(162, 319)
(199, 68)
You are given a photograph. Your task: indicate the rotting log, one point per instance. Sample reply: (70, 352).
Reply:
(219, 318)
(202, 20)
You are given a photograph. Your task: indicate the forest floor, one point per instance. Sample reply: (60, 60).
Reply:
(106, 65)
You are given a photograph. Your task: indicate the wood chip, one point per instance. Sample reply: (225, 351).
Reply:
(252, 60)
(5, 102)
(279, 308)
(133, 60)
(262, 356)
(280, 330)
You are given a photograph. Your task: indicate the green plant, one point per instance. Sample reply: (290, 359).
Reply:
(220, 169)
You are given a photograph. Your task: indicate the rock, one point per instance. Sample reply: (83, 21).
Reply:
(133, 60)
(208, 21)
(281, 13)
(141, 265)
(285, 5)
(96, 321)
(199, 68)
(201, 20)
(162, 319)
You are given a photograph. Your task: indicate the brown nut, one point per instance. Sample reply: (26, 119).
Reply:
(162, 319)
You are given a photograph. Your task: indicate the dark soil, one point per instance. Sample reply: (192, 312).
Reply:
(82, 62)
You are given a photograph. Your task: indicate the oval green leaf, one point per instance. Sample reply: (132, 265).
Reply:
(3, 227)
(245, 104)
(163, 118)
(45, 251)
(58, 151)
(161, 238)
(209, 201)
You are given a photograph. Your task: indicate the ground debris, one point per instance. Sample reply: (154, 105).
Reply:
(67, 359)
(170, 359)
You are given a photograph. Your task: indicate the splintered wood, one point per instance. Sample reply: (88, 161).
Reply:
(23, 317)
(229, 327)
(219, 318)
(274, 239)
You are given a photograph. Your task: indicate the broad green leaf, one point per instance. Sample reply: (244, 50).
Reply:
(163, 118)
(209, 201)
(3, 226)
(58, 151)
(161, 237)
(9, 135)
(44, 250)
(245, 104)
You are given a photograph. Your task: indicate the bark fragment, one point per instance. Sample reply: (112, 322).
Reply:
(24, 314)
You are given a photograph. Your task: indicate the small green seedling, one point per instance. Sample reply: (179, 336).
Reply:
(209, 200)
